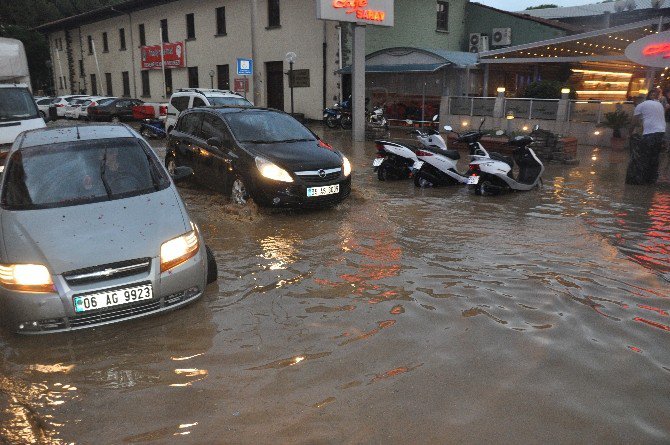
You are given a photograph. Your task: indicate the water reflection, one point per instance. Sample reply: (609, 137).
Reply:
(280, 251)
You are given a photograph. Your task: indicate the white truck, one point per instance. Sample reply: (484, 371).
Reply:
(18, 111)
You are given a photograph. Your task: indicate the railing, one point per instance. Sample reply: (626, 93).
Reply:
(546, 109)
(594, 111)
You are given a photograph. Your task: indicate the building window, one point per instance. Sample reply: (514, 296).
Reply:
(164, 31)
(94, 85)
(108, 81)
(105, 43)
(168, 83)
(223, 77)
(193, 77)
(143, 36)
(273, 14)
(190, 26)
(122, 39)
(126, 83)
(443, 16)
(60, 79)
(81, 68)
(146, 89)
(90, 45)
(221, 21)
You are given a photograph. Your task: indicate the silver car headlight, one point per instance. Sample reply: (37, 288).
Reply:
(180, 249)
(26, 277)
(346, 166)
(271, 171)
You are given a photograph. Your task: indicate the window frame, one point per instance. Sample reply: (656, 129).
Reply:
(190, 78)
(146, 83)
(125, 78)
(220, 14)
(165, 31)
(105, 43)
(274, 14)
(142, 34)
(190, 26)
(122, 39)
(108, 81)
(89, 38)
(442, 18)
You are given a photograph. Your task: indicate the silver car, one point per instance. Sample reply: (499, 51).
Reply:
(93, 232)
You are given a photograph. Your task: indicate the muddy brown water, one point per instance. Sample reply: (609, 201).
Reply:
(399, 316)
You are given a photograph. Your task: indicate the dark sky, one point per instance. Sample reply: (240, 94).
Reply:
(518, 5)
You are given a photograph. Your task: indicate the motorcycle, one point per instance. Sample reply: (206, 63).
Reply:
(377, 118)
(437, 165)
(495, 176)
(153, 128)
(332, 117)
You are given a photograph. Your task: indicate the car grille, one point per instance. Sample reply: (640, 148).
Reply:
(115, 313)
(108, 271)
(320, 176)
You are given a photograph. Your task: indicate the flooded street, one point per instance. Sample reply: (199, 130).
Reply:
(400, 316)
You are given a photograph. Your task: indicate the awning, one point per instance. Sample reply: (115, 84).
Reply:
(403, 68)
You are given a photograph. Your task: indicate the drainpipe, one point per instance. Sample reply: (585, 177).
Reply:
(132, 48)
(325, 63)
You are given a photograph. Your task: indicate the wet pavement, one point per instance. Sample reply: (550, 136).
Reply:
(399, 316)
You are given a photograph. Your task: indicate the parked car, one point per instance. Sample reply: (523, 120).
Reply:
(258, 153)
(43, 105)
(60, 102)
(78, 109)
(18, 113)
(93, 232)
(115, 110)
(187, 98)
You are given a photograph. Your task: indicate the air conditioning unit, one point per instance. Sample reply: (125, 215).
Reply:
(478, 43)
(473, 43)
(501, 37)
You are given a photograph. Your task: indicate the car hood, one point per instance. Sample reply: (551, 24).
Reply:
(297, 156)
(70, 238)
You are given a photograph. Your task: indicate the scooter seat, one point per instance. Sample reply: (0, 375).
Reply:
(506, 159)
(451, 154)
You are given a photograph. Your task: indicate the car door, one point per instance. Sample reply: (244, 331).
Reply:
(182, 140)
(219, 158)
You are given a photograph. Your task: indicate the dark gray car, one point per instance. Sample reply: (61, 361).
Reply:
(93, 232)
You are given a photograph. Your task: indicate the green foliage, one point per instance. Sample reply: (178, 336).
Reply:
(616, 120)
(545, 89)
(37, 51)
(545, 6)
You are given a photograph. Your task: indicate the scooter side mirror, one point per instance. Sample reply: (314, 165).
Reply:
(536, 127)
(499, 132)
(447, 128)
(436, 118)
(409, 121)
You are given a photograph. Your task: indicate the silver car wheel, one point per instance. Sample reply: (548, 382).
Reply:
(238, 192)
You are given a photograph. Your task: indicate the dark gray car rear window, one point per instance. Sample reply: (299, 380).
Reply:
(81, 172)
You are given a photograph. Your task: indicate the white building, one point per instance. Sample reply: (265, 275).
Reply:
(216, 33)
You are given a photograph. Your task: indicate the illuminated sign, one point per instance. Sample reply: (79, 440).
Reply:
(653, 50)
(370, 12)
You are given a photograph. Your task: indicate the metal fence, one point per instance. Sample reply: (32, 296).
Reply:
(594, 111)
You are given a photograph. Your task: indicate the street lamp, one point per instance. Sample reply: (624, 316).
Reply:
(211, 79)
(290, 58)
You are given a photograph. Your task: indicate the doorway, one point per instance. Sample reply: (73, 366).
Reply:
(275, 84)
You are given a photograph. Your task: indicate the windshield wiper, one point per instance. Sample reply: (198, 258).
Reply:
(103, 168)
(296, 140)
(258, 141)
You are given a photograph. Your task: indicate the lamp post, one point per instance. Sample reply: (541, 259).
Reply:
(211, 79)
(290, 58)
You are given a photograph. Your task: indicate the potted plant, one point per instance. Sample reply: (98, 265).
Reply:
(616, 120)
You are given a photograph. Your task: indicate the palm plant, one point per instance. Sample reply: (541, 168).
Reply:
(616, 120)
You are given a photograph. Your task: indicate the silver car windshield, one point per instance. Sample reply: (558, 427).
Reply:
(267, 127)
(80, 172)
(17, 104)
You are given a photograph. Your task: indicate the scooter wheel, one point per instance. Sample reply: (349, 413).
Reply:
(485, 188)
(331, 122)
(383, 172)
(146, 133)
(422, 181)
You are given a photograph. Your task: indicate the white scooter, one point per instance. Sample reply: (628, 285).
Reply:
(494, 176)
(397, 160)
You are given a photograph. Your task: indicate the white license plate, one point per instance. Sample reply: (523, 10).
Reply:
(323, 191)
(377, 162)
(417, 165)
(115, 297)
(474, 179)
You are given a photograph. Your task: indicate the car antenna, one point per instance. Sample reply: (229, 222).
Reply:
(77, 127)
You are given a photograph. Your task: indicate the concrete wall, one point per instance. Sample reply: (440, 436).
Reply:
(300, 32)
(415, 26)
(481, 19)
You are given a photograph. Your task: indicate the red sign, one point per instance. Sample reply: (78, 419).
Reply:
(241, 85)
(173, 56)
(357, 7)
(653, 50)
(657, 49)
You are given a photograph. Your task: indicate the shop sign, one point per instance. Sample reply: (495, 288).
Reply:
(653, 50)
(173, 55)
(370, 12)
(241, 85)
(300, 79)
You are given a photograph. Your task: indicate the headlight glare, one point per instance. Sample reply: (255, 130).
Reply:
(178, 250)
(272, 171)
(26, 277)
(346, 166)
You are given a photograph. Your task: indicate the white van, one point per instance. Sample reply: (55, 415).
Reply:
(185, 98)
(18, 111)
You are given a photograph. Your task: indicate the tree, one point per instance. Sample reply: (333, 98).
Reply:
(545, 6)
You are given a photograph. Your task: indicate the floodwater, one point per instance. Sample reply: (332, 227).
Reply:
(399, 316)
